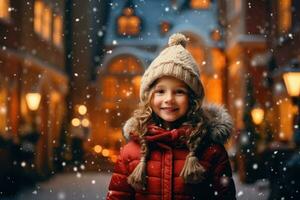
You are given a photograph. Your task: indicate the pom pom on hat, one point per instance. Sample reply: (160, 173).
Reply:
(177, 39)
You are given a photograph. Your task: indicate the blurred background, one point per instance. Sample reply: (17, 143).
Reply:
(70, 72)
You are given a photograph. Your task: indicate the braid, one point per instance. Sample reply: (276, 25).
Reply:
(193, 171)
(137, 179)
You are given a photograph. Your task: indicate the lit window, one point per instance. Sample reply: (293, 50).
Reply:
(109, 85)
(128, 23)
(218, 59)
(285, 15)
(38, 14)
(136, 81)
(57, 30)
(42, 19)
(237, 5)
(3, 107)
(197, 53)
(46, 32)
(165, 27)
(123, 78)
(4, 6)
(123, 65)
(215, 35)
(200, 4)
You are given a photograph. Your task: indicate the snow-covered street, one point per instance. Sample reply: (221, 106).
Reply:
(72, 186)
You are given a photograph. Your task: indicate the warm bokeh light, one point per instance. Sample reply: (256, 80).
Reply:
(82, 109)
(85, 122)
(33, 100)
(114, 158)
(292, 83)
(3, 110)
(75, 122)
(257, 115)
(105, 152)
(97, 148)
(55, 96)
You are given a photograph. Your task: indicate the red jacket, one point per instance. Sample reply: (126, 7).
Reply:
(166, 161)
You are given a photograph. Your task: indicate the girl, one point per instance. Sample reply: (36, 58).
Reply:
(175, 144)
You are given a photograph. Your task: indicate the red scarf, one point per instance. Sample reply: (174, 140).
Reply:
(172, 137)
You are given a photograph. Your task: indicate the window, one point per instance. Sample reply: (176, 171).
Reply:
(237, 5)
(123, 78)
(4, 9)
(284, 15)
(128, 23)
(199, 4)
(215, 35)
(197, 52)
(125, 65)
(109, 88)
(218, 59)
(57, 30)
(3, 107)
(164, 27)
(42, 20)
(47, 20)
(38, 14)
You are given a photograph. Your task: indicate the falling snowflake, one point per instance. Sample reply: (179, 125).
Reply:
(78, 175)
(255, 166)
(240, 193)
(61, 195)
(114, 42)
(23, 164)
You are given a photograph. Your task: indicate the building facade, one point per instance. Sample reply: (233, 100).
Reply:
(259, 39)
(33, 82)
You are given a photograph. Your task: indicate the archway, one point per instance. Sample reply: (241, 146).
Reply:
(118, 95)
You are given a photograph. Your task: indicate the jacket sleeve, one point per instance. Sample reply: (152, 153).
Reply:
(118, 187)
(223, 184)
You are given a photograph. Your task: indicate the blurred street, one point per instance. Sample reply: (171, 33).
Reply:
(93, 185)
(70, 77)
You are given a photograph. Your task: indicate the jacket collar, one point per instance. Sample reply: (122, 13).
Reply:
(219, 122)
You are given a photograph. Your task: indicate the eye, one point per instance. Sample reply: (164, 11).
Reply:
(159, 91)
(181, 91)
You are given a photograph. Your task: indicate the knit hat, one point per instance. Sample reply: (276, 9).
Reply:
(173, 61)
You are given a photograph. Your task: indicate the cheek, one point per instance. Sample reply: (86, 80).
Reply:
(184, 102)
(155, 102)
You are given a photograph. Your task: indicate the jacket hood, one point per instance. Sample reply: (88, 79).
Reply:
(219, 122)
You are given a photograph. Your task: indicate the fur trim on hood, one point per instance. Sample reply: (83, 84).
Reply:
(220, 123)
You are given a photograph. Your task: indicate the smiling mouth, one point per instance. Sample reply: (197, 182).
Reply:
(170, 109)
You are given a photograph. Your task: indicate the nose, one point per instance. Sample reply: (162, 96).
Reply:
(168, 97)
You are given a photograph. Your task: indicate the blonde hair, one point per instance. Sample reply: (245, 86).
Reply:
(192, 171)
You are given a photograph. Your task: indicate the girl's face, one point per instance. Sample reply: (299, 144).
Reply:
(170, 100)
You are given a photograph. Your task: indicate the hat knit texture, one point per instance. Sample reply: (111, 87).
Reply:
(173, 61)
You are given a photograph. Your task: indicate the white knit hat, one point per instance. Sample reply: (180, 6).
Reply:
(173, 61)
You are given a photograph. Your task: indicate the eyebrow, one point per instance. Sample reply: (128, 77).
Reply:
(177, 87)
